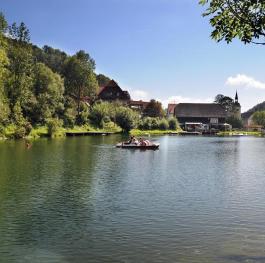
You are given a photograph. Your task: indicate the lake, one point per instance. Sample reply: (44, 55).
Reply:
(197, 199)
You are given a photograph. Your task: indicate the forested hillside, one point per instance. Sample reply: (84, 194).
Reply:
(40, 84)
(258, 107)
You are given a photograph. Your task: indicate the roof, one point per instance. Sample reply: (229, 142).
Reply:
(138, 102)
(171, 108)
(111, 84)
(200, 110)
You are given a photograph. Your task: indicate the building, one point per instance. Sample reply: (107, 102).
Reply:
(138, 105)
(113, 92)
(171, 109)
(236, 109)
(208, 115)
(205, 116)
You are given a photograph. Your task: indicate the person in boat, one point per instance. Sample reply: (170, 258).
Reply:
(135, 141)
(144, 142)
(130, 141)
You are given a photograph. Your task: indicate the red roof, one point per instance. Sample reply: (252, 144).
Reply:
(112, 83)
(138, 102)
(171, 108)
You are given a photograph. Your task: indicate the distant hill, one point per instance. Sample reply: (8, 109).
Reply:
(258, 107)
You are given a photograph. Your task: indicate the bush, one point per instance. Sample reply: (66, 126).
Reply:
(163, 124)
(109, 126)
(54, 126)
(84, 114)
(69, 118)
(28, 128)
(173, 123)
(100, 111)
(4, 110)
(235, 122)
(147, 123)
(126, 118)
(20, 132)
(2, 131)
(154, 123)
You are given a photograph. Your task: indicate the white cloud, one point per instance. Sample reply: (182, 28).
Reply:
(241, 80)
(181, 99)
(139, 95)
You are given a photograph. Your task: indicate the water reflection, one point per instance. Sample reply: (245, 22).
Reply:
(83, 200)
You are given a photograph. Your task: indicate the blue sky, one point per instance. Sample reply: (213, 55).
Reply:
(155, 48)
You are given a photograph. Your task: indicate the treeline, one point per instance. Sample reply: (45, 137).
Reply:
(47, 87)
(37, 85)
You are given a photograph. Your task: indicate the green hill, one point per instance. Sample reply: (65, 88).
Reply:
(258, 107)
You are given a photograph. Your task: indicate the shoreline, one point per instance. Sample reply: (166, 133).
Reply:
(42, 132)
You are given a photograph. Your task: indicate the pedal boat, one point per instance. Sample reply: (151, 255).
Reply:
(153, 146)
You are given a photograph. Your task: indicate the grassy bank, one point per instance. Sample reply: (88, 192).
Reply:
(137, 132)
(42, 131)
(235, 133)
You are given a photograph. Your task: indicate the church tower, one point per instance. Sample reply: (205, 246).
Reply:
(236, 108)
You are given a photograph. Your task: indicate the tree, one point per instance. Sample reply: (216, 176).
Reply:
(224, 101)
(103, 80)
(154, 109)
(19, 33)
(259, 118)
(235, 122)
(126, 118)
(243, 19)
(3, 23)
(80, 79)
(48, 91)
(4, 62)
(20, 80)
(52, 58)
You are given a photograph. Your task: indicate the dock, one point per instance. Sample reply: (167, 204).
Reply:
(185, 133)
(88, 133)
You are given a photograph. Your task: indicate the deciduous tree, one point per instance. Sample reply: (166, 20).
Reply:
(224, 101)
(154, 109)
(242, 19)
(80, 79)
(259, 118)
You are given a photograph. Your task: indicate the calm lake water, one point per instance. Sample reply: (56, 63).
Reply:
(197, 199)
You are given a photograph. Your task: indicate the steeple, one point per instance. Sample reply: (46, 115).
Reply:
(236, 98)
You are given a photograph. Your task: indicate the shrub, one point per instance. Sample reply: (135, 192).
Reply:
(54, 126)
(109, 126)
(28, 128)
(2, 131)
(154, 123)
(20, 132)
(147, 123)
(4, 110)
(173, 123)
(69, 118)
(163, 124)
(84, 114)
(99, 111)
(235, 122)
(126, 118)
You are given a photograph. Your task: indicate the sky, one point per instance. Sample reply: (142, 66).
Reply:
(157, 49)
